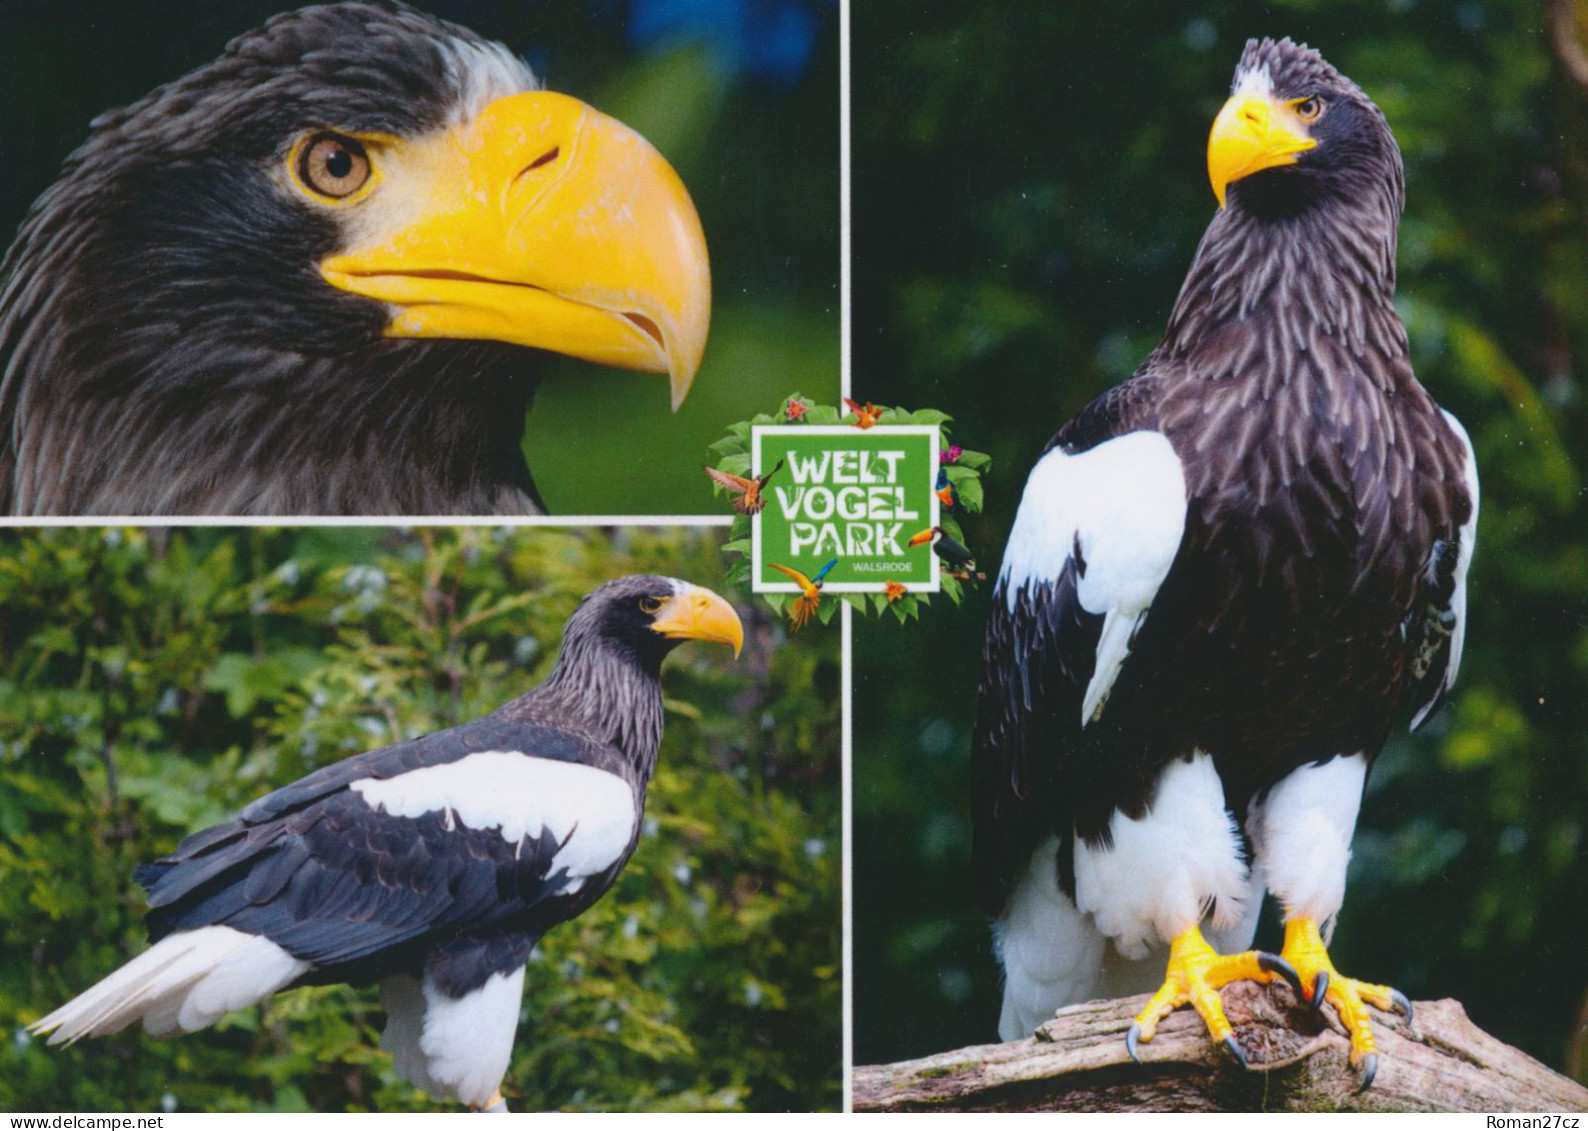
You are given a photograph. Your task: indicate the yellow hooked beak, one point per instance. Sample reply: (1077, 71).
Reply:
(541, 223)
(1252, 133)
(699, 614)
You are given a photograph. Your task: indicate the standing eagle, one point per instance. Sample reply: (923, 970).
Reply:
(431, 867)
(1227, 578)
(300, 280)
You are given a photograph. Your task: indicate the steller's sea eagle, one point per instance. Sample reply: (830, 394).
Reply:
(1227, 578)
(431, 867)
(300, 280)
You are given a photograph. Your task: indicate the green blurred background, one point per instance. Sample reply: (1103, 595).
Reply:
(152, 682)
(1029, 187)
(740, 95)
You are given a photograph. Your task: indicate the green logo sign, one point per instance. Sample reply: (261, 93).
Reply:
(843, 506)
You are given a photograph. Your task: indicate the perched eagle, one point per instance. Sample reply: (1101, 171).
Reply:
(431, 867)
(1227, 578)
(300, 280)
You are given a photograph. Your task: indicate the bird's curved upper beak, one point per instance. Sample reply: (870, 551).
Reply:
(923, 536)
(699, 614)
(542, 223)
(1253, 132)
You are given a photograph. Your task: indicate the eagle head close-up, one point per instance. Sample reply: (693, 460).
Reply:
(645, 618)
(1228, 577)
(1291, 112)
(302, 280)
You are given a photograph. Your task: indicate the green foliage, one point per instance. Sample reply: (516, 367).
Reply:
(762, 167)
(964, 471)
(1062, 153)
(152, 682)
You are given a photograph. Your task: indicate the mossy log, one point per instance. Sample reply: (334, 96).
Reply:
(1299, 1062)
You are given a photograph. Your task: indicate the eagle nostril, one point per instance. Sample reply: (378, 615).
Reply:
(544, 159)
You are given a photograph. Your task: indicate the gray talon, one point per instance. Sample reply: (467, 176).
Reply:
(1402, 1003)
(1235, 1050)
(1274, 964)
(1131, 1036)
(1320, 986)
(1369, 1070)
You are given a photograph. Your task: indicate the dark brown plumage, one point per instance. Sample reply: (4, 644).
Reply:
(1244, 562)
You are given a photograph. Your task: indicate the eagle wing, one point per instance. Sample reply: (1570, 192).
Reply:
(1437, 628)
(1095, 536)
(452, 832)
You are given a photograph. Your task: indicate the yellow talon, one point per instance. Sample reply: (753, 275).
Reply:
(1195, 975)
(1304, 949)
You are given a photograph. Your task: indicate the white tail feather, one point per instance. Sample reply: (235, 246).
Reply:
(183, 983)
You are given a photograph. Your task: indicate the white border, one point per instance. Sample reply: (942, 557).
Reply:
(845, 213)
(846, 870)
(846, 753)
(396, 521)
(846, 611)
(934, 505)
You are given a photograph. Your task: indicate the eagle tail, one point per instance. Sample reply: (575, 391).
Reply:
(186, 981)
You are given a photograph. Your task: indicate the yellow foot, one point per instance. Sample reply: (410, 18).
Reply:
(1305, 951)
(1196, 973)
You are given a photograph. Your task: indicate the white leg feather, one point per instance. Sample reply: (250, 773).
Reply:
(1231, 935)
(1301, 833)
(1051, 953)
(1126, 977)
(452, 1048)
(403, 998)
(1054, 955)
(1158, 874)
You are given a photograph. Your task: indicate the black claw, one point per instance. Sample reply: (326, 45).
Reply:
(1320, 986)
(1274, 964)
(1235, 1050)
(1369, 1070)
(1402, 1003)
(1131, 1036)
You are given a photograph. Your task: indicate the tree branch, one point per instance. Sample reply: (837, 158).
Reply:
(1077, 1062)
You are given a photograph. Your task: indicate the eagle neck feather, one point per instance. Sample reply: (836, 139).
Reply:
(1280, 297)
(195, 426)
(606, 691)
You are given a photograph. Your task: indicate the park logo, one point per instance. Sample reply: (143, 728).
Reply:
(840, 505)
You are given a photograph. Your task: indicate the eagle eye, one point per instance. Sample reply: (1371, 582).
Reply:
(650, 605)
(333, 165)
(1310, 108)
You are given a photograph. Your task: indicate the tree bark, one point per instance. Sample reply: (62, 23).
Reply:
(1077, 1062)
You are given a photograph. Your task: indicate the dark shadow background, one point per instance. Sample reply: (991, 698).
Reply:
(741, 96)
(1030, 185)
